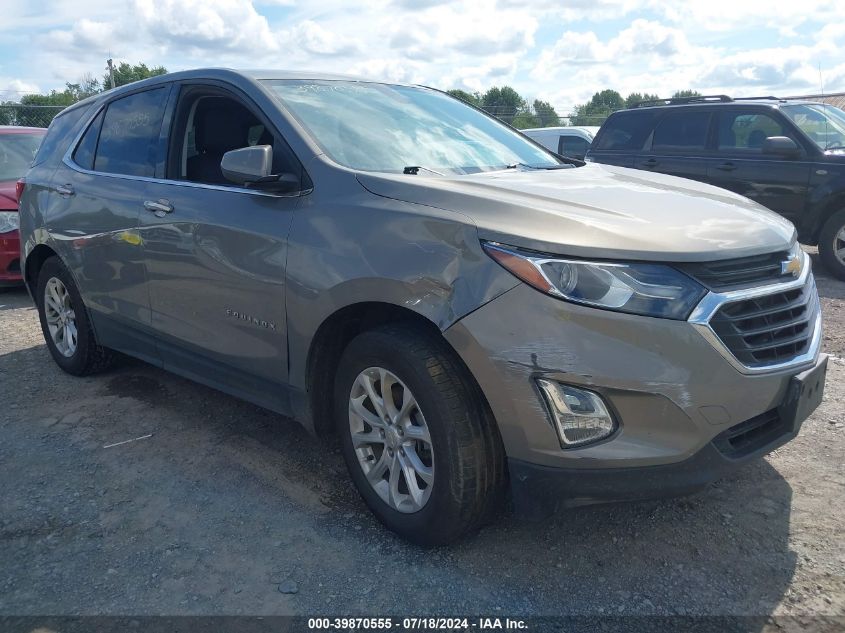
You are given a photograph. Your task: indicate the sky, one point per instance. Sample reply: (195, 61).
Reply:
(561, 51)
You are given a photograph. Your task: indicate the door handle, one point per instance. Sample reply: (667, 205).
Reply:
(726, 166)
(651, 162)
(160, 207)
(65, 190)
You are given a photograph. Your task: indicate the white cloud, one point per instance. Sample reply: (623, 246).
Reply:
(558, 51)
(11, 89)
(725, 15)
(644, 41)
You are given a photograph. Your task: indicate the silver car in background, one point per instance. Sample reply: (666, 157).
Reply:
(571, 141)
(469, 313)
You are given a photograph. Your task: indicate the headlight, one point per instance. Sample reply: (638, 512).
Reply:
(8, 221)
(648, 289)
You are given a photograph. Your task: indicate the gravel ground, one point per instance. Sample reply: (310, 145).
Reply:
(229, 509)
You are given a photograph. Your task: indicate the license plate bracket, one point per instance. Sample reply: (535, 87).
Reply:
(804, 394)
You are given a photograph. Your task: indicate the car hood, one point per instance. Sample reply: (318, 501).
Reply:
(8, 202)
(599, 211)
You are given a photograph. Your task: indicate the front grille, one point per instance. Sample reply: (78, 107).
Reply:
(770, 329)
(733, 274)
(751, 435)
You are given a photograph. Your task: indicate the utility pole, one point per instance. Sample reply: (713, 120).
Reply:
(111, 71)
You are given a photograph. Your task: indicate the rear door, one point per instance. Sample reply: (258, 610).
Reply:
(622, 137)
(215, 252)
(776, 182)
(98, 194)
(679, 144)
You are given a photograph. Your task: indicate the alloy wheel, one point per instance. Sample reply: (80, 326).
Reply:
(60, 316)
(839, 246)
(391, 439)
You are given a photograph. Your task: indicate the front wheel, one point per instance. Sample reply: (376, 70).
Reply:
(419, 444)
(832, 244)
(65, 322)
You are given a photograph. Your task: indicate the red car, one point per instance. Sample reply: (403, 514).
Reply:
(17, 149)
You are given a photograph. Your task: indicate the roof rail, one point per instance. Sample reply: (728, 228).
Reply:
(680, 100)
(767, 98)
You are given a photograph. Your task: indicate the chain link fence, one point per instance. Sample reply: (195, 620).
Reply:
(27, 115)
(530, 118)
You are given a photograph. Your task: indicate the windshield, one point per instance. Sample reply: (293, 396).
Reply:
(16, 153)
(824, 124)
(380, 127)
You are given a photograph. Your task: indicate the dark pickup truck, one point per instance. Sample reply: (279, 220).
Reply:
(788, 155)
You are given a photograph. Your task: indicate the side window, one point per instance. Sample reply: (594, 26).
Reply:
(129, 137)
(746, 131)
(84, 153)
(682, 130)
(209, 125)
(625, 131)
(573, 146)
(60, 134)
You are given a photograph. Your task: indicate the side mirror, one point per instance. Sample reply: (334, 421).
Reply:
(781, 146)
(253, 166)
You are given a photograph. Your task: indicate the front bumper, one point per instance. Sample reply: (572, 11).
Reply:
(10, 259)
(540, 490)
(669, 387)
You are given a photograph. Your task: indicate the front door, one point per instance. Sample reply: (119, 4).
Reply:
(776, 182)
(215, 253)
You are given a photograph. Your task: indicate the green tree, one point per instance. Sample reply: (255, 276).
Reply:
(680, 94)
(598, 108)
(525, 120)
(472, 98)
(504, 103)
(636, 97)
(126, 73)
(39, 109)
(545, 114)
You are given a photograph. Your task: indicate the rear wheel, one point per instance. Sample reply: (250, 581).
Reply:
(418, 442)
(832, 244)
(65, 323)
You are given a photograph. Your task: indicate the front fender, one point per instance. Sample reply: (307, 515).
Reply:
(827, 196)
(365, 248)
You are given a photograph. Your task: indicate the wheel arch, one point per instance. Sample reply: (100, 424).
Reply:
(825, 209)
(33, 263)
(331, 339)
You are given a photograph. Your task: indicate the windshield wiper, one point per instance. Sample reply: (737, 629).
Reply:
(834, 147)
(545, 167)
(413, 170)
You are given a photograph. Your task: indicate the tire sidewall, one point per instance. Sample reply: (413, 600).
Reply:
(441, 508)
(74, 364)
(827, 244)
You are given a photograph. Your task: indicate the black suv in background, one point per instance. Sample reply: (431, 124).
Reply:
(788, 155)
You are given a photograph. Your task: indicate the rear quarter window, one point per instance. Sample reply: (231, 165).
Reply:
(59, 135)
(626, 130)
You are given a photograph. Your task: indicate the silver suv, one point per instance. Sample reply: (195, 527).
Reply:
(469, 313)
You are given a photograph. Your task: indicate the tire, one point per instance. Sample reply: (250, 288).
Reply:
(86, 356)
(465, 450)
(831, 240)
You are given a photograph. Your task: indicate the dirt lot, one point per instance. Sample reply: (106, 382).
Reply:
(226, 504)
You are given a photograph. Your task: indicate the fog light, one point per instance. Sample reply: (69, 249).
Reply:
(580, 416)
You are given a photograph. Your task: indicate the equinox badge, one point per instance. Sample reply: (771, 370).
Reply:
(251, 319)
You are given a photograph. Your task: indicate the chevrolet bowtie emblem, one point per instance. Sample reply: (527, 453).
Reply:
(791, 266)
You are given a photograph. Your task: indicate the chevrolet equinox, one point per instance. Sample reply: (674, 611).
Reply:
(469, 313)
